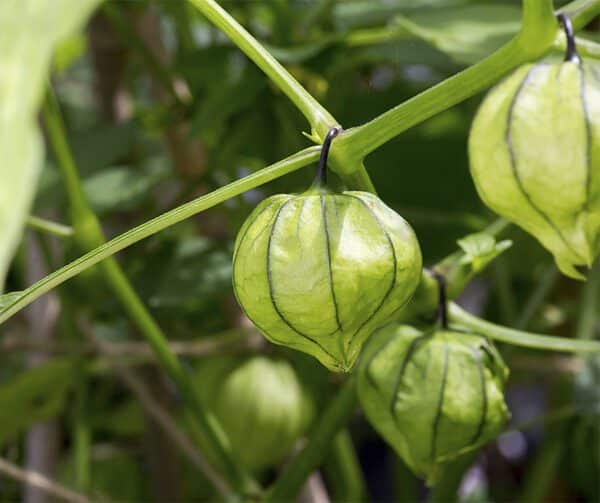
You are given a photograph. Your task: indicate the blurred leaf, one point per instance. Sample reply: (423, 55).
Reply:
(100, 147)
(369, 12)
(29, 30)
(195, 272)
(121, 188)
(117, 475)
(124, 420)
(468, 33)
(231, 98)
(301, 52)
(33, 396)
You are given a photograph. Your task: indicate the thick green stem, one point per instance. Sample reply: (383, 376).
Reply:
(542, 473)
(335, 416)
(446, 489)
(343, 470)
(351, 170)
(176, 215)
(536, 37)
(459, 316)
(581, 12)
(88, 234)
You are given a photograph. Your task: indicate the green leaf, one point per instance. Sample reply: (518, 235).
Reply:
(120, 188)
(372, 12)
(34, 396)
(466, 33)
(480, 249)
(30, 30)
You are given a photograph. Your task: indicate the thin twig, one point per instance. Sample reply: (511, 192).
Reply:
(39, 481)
(239, 339)
(156, 411)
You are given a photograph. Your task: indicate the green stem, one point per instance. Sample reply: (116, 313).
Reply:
(536, 37)
(176, 215)
(351, 170)
(543, 471)
(82, 433)
(446, 489)
(517, 337)
(581, 12)
(335, 416)
(343, 470)
(543, 288)
(88, 234)
(538, 20)
(318, 117)
(590, 300)
(43, 225)
(506, 300)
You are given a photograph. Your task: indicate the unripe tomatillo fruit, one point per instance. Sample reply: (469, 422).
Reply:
(535, 156)
(319, 271)
(260, 402)
(432, 395)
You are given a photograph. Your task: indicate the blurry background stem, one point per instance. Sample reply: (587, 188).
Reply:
(88, 235)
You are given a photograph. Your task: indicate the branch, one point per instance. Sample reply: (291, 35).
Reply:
(39, 481)
(517, 337)
(319, 118)
(88, 234)
(538, 32)
(49, 227)
(159, 414)
(350, 169)
(172, 217)
(581, 12)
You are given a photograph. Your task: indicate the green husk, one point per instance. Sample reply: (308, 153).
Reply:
(432, 395)
(318, 272)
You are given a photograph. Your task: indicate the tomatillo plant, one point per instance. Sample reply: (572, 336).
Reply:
(327, 271)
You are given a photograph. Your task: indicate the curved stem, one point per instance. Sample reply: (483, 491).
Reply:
(335, 416)
(321, 178)
(571, 51)
(343, 471)
(519, 338)
(283, 167)
(536, 38)
(319, 118)
(581, 12)
(351, 170)
(88, 234)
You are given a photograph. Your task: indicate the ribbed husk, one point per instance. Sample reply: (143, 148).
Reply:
(260, 402)
(432, 395)
(318, 272)
(535, 157)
